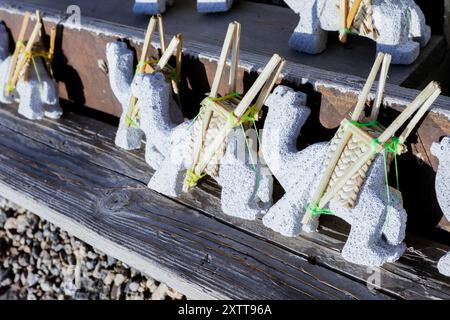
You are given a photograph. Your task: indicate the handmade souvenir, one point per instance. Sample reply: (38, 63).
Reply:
(159, 6)
(140, 96)
(397, 26)
(347, 177)
(208, 144)
(26, 76)
(442, 151)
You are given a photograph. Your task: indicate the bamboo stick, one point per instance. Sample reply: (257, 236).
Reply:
(265, 92)
(258, 85)
(408, 112)
(239, 111)
(132, 111)
(381, 85)
(367, 87)
(223, 59)
(344, 13)
(179, 63)
(51, 50)
(168, 53)
(353, 11)
(162, 37)
(21, 37)
(419, 115)
(308, 218)
(214, 90)
(235, 58)
(25, 57)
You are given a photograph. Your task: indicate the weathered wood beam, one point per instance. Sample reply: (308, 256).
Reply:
(89, 141)
(188, 250)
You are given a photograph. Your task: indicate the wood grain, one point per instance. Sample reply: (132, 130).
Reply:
(209, 258)
(91, 142)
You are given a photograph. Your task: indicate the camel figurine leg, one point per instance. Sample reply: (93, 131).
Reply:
(50, 99)
(308, 36)
(152, 156)
(240, 181)
(151, 7)
(377, 230)
(168, 179)
(128, 138)
(30, 105)
(396, 40)
(364, 246)
(444, 265)
(5, 66)
(420, 31)
(214, 5)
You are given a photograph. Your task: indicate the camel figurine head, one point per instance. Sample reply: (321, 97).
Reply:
(285, 97)
(441, 149)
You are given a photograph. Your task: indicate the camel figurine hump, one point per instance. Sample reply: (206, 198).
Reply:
(35, 91)
(159, 6)
(442, 152)
(397, 26)
(377, 233)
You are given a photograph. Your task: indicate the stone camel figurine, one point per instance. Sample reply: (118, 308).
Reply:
(37, 95)
(400, 27)
(123, 83)
(167, 145)
(375, 237)
(442, 152)
(159, 6)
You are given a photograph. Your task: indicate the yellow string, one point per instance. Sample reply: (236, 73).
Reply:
(250, 115)
(192, 178)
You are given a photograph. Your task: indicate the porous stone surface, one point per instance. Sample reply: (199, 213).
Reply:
(214, 5)
(442, 152)
(40, 261)
(167, 139)
(155, 105)
(160, 6)
(400, 24)
(36, 93)
(151, 7)
(377, 231)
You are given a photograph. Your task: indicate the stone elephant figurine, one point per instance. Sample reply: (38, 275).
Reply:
(400, 27)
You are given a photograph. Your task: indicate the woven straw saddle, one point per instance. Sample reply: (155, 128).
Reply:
(220, 115)
(359, 140)
(149, 66)
(356, 17)
(25, 53)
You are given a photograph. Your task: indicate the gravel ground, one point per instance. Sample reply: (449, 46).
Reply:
(40, 261)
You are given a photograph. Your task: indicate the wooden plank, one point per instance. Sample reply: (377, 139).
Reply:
(189, 250)
(93, 142)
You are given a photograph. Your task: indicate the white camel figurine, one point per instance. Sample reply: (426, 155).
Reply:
(160, 6)
(442, 151)
(400, 27)
(124, 84)
(375, 237)
(245, 191)
(37, 94)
